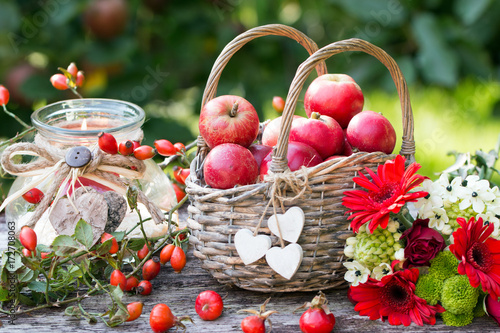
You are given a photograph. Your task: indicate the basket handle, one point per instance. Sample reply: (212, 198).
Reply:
(279, 160)
(242, 39)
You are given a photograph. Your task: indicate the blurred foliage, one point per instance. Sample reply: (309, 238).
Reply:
(158, 54)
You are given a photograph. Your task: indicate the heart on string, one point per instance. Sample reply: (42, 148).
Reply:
(92, 208)
(290, 224)
(285, 261)
(251, 248)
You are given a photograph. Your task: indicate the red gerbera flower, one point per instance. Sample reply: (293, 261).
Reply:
(387, 193)
(394, 298)
(479, 254)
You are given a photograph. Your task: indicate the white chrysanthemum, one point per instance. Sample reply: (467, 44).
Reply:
(392, 226)
(400, 254)
(381, 270)
(478, 193)
(437, 218)
(452, 190)
(489, 217)
(447, 230)
(349, 251)
(494, 205)
(356, 273)
(433, 199)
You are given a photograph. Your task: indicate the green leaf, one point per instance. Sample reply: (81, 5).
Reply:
(438, 61)
(118, 318)
(135, 244)
(25, 275)
(105, 247)
(74, 271)
(43, 248)
(83, 234)
(470, 11)
(107, 271)
(64, 244)
(37, 286)
(25, 300)
(72, 311)
(4, 295)
(119, 235)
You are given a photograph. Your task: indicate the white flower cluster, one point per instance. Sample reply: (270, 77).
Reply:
(467, 198)
(370, 254)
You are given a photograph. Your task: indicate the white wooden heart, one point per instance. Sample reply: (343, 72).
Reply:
(251, 248)
(290, 224)
(285, 261)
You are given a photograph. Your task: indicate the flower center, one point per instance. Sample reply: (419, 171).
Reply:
(357, 273)
(396, 296)
(480, 257)
(474, 194)
(385, 193)
(449, 188)
(437, 217)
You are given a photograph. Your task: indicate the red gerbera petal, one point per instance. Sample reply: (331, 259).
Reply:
(394, 298)
(386, 193)
(478, 254)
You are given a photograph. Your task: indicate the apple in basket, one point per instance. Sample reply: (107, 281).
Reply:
(322, 133)
(370, 131)
(228, 165)
(299, 154)
(334, 95)
(259, 152)
(228, 119)
(272, 131)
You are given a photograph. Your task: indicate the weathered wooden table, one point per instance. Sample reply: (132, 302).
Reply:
(179, 292)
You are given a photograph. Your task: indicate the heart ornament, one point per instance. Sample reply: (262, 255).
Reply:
(290, 224)
(285, 261)
(251, 248)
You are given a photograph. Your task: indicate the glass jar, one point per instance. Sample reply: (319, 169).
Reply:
(78, 122)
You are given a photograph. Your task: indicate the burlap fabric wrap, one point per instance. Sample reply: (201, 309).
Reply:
(216, 215)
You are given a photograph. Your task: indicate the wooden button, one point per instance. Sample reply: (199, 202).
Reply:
(78, 157)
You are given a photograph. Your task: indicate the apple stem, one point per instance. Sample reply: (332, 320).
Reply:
(234, 110)
(315, 115)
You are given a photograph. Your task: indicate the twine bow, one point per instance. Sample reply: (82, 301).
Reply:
(103, 168)
(278, 183)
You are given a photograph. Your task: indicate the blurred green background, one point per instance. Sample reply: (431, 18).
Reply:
(158, 54)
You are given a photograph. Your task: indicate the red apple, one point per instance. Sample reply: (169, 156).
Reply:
(299, 154)
(334, 157)
(229, 119)
(347, 146)
(322, 133)
(259, 152)
(369, 131)
(272, 131)
(334, 95)
(228, 165)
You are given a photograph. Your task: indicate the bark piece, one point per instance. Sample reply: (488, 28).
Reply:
(117, 209)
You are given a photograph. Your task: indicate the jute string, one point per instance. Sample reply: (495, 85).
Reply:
(297, 182)
(113, 171)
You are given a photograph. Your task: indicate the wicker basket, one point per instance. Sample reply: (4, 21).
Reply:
(216, 215)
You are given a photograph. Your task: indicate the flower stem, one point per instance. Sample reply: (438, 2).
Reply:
(15, 117)
(402, 218)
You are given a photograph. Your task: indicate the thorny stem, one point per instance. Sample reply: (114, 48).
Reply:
(160, 245)
(18, 136)
(141, 223)
(15, 117)
(46, 287)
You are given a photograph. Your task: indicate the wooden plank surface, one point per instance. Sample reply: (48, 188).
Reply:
(179, 292)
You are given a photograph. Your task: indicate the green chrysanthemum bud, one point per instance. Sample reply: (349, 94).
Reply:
(373, 249)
